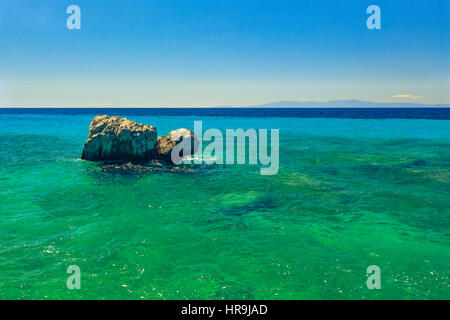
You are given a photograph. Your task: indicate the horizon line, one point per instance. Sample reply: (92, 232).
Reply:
(274, 104)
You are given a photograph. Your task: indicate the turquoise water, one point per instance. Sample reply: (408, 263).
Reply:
(349, 193)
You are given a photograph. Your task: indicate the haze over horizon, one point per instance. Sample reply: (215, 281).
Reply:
(235, 53)
(346, 103)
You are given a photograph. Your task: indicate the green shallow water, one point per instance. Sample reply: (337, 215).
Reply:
(349, 194)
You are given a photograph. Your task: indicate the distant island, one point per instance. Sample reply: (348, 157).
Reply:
(346, 104)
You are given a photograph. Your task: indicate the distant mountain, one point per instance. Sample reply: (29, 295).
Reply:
(346, 103)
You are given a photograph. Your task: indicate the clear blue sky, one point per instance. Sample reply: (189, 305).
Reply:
(221, 52)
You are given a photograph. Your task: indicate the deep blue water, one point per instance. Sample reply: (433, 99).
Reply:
(352, 113)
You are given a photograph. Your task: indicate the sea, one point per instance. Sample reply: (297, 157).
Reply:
(356, 187)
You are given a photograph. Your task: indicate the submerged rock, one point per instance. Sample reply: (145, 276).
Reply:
(184, 139)
(116, 138)
(139, 169)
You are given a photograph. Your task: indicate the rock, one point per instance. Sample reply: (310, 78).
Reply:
(166, 145)
(116, 138)
(120, 139)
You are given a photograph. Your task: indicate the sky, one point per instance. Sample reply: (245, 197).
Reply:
(156, 53)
